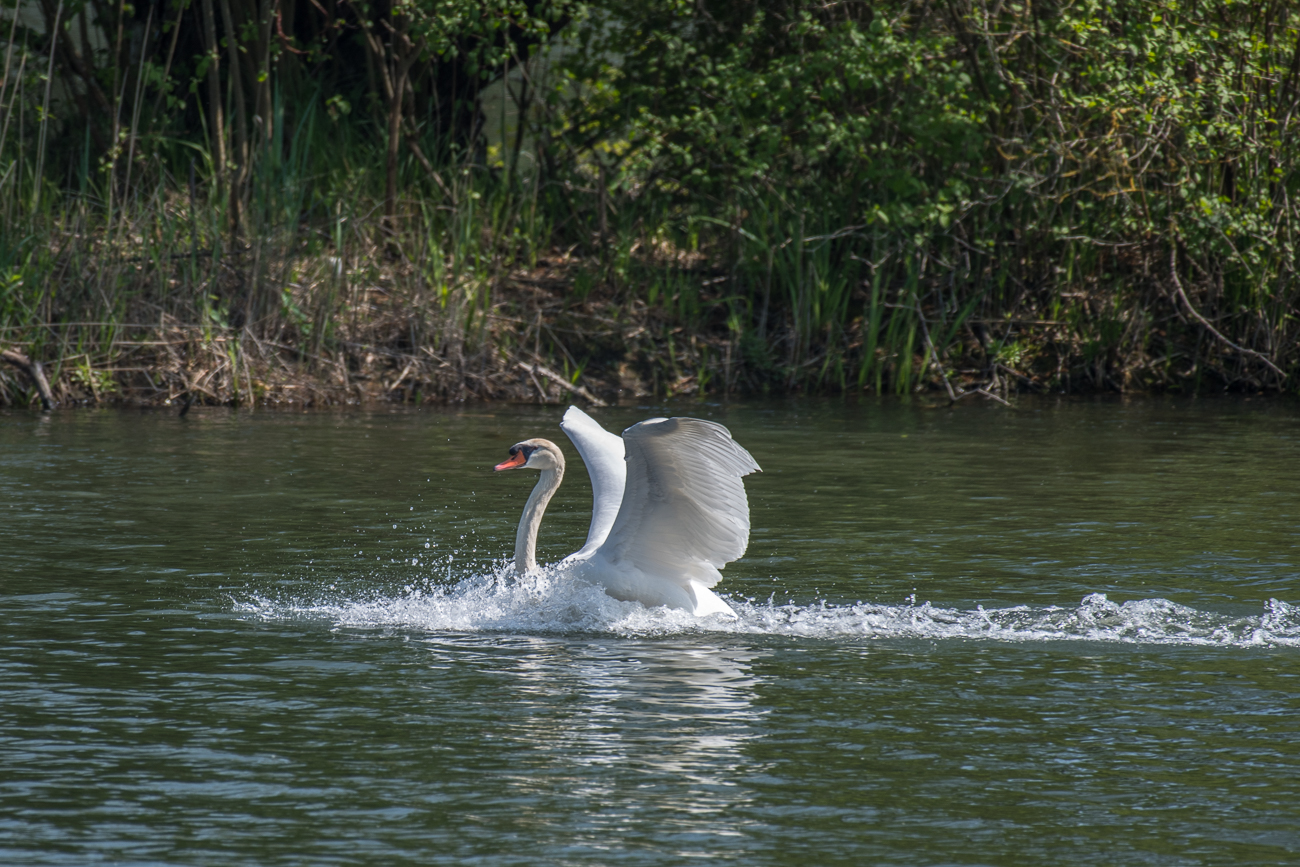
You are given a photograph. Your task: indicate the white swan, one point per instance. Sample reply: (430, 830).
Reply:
(668, 511)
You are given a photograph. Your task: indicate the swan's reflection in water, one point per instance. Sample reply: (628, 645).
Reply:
(647, 737)
(685, 710)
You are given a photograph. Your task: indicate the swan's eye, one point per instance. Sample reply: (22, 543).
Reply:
(528, 451)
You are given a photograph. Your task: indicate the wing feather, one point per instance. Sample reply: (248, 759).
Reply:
(684, 513)
(602, 452)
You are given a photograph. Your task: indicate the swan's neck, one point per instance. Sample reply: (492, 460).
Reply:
(526, 537)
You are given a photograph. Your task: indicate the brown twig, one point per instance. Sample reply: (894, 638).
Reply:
(1178, 287)
(934, 353)
(991, 396)
(562, 382)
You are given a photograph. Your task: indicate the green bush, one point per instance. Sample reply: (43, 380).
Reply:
(1125, 169)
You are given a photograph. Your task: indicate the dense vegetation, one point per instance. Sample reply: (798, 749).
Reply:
(325, 200)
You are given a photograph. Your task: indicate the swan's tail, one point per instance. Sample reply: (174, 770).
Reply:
(707, 602)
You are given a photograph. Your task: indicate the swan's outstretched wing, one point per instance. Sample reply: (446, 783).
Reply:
(684, 514)
(602, 452)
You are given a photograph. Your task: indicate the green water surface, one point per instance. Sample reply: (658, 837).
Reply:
(1065, 634)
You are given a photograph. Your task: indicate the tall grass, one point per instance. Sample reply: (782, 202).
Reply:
(140, 290)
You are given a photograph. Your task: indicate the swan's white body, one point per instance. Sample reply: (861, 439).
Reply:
(668, 508)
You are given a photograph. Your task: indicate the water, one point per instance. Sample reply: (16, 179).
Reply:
(1066, 634)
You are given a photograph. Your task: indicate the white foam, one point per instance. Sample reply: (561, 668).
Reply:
(547, 604)
(1142, 621)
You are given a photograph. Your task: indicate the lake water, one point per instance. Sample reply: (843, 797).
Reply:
(1068, 633)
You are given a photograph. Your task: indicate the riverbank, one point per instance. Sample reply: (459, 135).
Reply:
(533, 334)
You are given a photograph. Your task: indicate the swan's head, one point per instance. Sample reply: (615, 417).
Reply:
(535, 454)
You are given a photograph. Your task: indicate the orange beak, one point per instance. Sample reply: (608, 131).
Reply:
(518, 459)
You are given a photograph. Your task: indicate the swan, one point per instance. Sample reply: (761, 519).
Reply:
(668, 508)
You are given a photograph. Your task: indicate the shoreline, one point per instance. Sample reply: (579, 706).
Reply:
(180, 365)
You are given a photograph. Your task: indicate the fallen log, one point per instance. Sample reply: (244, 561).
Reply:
(34, 372)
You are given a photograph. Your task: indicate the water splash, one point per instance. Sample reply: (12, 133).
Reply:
(1142, 621)
(548, 604)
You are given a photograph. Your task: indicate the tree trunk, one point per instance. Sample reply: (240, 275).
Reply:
(216, 118)
(394, 145)
(240, 154)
